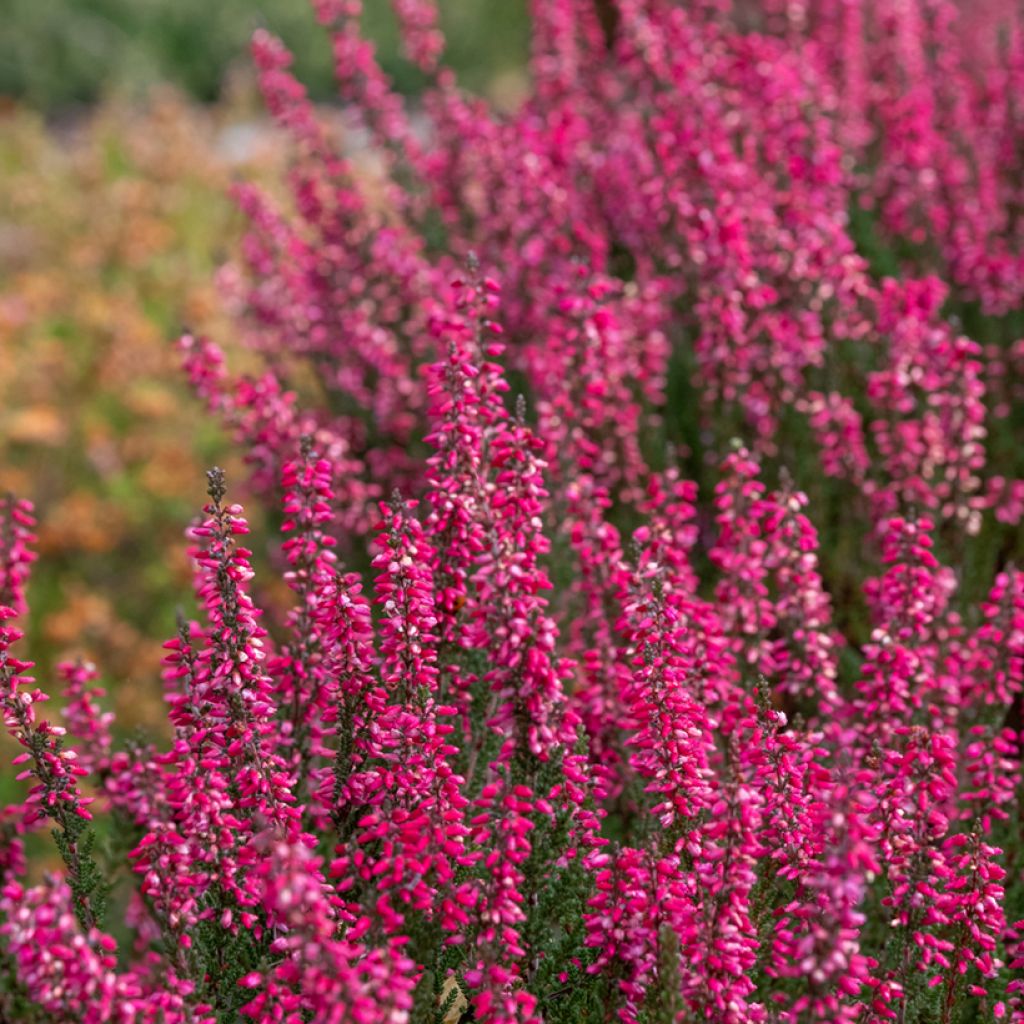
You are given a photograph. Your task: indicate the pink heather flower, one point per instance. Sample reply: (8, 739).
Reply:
(826, 844)
(503, 826)
(302, 672)
(410, 799)
(317, 976)
(777, 608)
(72, 975)
(420, 35)
(225, 776)
(839, 430)
(670, 735)
(603, 675)
(16, 537)
(724, 951)
(914, 790)
(971, 906)
(88, 724)
(931, 423)
(994, 669)
(590, 377)
(991, 761)
(231, 685)
(627, 922)
(354, 696)
(55, 793)
(902, 677)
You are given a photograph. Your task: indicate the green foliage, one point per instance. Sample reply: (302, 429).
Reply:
(664, 1004)
(473, 759)
(68, 52)
(556, 889)
(90, 890)
(227, 958)
(74, 835)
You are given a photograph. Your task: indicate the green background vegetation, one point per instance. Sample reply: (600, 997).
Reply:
(59, 54)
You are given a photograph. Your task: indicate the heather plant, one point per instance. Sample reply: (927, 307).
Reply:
(656, 650)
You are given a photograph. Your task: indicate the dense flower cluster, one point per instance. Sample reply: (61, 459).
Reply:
(687, 684)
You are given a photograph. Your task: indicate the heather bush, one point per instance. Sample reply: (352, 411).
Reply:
(655, 650)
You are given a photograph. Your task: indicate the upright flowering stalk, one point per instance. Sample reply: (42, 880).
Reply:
(16, 556)
(741, 556)
(527, 707)
(55, 793)
(173, 876)
(991, 761)
(820, 835)
(805, 655)
(831, 942)
(305, 684)
(466, 390)
(914, 786)
(670, 745)
(993, 675)
(360, 78)
(16, 525)
(564, 34)
(346, 631)
(261, 412)
(498, 458)
(924, 119)
(780, 613)
(675, 672)
(930, 423)
(589, 375)
(52, 931)
(725, 873)
(902, 677)
(421, 37)
(232, 688)
(87, 722)
(603, 574)
(971, 909)
(225, 778)
(628, 923)
(530, 702)
(838, 428)
(408, 842)
(343, 289)
(503, 825)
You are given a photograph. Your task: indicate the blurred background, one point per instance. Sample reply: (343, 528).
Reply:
(122, 123)
(63, 55)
